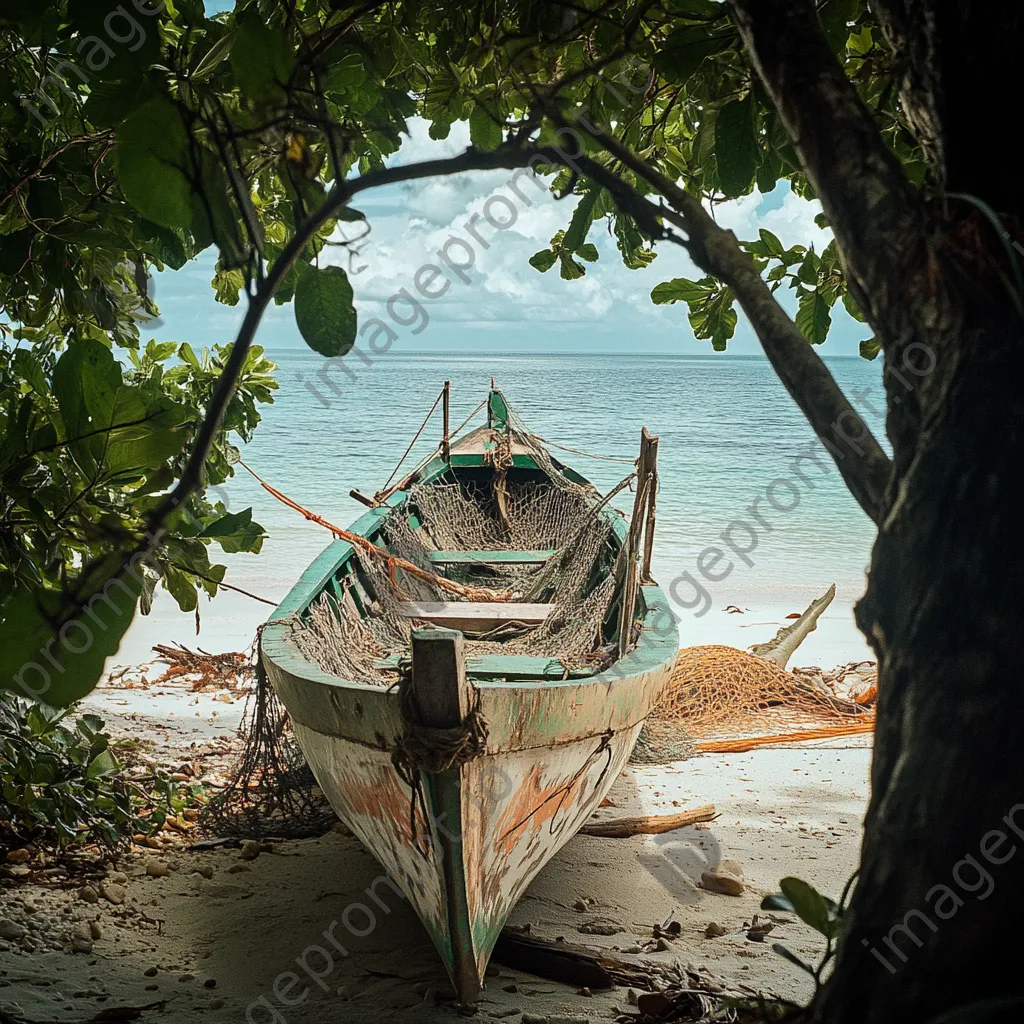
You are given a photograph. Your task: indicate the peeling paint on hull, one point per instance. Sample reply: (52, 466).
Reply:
(515, 811)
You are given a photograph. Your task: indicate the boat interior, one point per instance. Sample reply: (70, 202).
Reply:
(490, 535)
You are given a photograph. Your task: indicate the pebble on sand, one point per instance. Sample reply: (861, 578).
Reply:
(157, 868)
(726, 878)
(601, 926)
(250, 850)
(11, 930)
(113, 893)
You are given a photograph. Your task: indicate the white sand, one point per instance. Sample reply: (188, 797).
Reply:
(785, 811)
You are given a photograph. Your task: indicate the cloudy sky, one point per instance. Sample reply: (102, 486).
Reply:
(506, 304)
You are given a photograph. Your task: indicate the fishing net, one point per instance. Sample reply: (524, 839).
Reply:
(359, 631)
(578, 580)
(727, 700)
(270, 790)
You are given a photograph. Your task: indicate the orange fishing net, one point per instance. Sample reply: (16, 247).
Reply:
(725, 699)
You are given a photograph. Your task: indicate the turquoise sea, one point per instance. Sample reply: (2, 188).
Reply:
(729, 436)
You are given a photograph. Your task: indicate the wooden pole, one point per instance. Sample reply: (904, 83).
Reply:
(443, 698)
(629, 586)
(652, 506)
(446, 450)
(439, 684)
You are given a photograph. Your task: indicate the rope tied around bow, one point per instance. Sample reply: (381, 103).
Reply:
(429, 749)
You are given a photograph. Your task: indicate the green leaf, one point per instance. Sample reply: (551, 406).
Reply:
(869, 348)
(228, 524)
(543, 260)
(736, 147)
(53, 649)
(570, 270)
(261, 59)
(588, 252)
(112, 427)
(181, 588)
(781, 950)
(213, 57)
(150, 162)
(484, 130)
(778, 901)
(811, 907)
(687, 48)
(582, 218)
(679, 289)
(850, 304)
(324, 312)
(102, 764)
(214, 213)
(813, 317)
(774, 247)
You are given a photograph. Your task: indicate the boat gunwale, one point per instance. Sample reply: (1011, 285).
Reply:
(650, 652)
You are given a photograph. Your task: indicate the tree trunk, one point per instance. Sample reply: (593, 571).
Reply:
(937, 917)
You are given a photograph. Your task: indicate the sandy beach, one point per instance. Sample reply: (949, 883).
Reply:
(220, 937)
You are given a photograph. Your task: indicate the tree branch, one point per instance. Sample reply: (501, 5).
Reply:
(874, 211)
(864, 466)
(339, 196)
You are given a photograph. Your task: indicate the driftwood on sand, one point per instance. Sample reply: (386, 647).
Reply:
(648, 824)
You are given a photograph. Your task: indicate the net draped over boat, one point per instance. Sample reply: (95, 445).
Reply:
(576, 572)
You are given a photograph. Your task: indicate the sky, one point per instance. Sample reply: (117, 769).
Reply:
(501, 303)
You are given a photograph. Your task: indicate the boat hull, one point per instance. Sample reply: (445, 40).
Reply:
(482, 831)
(464, 847)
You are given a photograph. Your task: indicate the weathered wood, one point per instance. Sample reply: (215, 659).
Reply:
(633, 537)
(364, 498)
(446, 449)
(439, 684)
(491, 557)
(652, 508)
(569, 963)
(475, 616)
(648, 824)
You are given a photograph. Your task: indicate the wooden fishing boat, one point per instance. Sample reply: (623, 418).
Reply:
(468, 669)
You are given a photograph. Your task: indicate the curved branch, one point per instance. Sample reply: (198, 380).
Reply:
(864, 466)
(339, 196)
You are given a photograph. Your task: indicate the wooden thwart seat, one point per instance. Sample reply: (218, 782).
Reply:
(474, 616)
(490, 557)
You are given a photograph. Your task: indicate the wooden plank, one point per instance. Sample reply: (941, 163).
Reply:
(475, 616)
(491, 557)
(439, 683)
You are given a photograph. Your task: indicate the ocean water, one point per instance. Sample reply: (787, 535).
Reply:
(734, 459)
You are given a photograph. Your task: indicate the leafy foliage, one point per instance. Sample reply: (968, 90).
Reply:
(62, 781)
(819, 912)
(237, 132)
